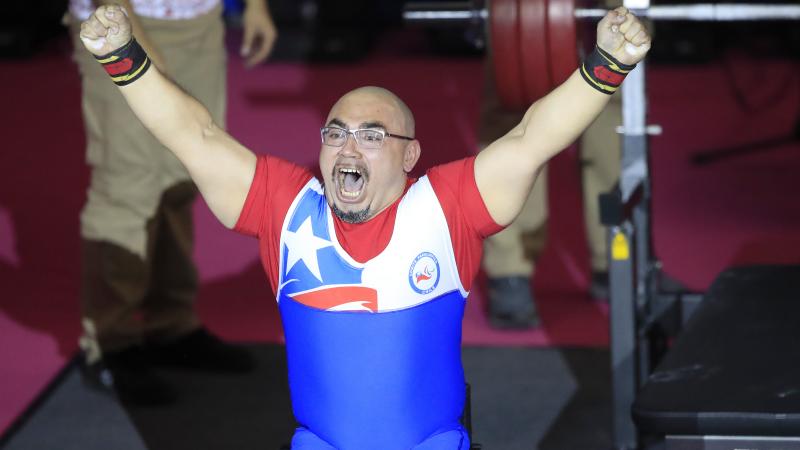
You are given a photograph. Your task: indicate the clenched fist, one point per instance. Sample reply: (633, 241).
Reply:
(621, 34)
(106, 30)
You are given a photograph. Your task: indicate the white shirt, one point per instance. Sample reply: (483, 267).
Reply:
(155, 9)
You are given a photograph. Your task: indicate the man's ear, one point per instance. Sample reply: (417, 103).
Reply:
(411, 155)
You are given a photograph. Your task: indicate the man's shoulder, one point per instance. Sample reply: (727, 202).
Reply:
(272, 165)
(278, 177)
(452, 173)
(454, 167)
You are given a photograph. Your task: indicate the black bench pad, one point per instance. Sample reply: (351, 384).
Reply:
(734, 370)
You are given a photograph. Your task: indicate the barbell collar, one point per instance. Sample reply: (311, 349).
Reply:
(650, 130)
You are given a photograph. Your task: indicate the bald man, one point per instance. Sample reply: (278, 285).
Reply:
(371, 268)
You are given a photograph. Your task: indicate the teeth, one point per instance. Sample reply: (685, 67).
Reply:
(343, 172)
(349, 194)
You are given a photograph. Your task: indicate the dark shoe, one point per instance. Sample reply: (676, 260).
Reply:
(599, 288)
(128, 374)
(511, 304)
(201, 350)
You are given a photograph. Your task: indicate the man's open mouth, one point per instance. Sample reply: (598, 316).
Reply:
(351, 181)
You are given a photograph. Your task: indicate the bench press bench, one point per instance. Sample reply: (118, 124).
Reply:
(731, 379)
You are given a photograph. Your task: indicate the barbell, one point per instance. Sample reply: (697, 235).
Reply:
(534, 43)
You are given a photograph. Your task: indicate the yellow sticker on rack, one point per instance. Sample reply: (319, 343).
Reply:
(619, 247)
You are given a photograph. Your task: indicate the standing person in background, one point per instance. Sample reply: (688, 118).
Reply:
(509, 258)
(138, 279)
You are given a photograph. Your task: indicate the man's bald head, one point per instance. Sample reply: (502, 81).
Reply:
(380, 95)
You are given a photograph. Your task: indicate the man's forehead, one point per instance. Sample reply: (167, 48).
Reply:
(340, 122)
(364, 106)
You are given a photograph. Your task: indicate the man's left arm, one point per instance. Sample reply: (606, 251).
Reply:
(506, 170)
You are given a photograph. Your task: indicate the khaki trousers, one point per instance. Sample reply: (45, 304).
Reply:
(138, 275)
(513, 251)
(125, 298)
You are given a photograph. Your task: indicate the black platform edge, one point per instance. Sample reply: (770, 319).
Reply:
(39, 400)
(662, 422)
(690, 423)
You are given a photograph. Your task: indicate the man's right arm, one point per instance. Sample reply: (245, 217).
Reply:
(221, 167)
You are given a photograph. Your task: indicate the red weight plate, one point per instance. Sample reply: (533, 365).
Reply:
(562, 40)
(504, 35)
(534, 58)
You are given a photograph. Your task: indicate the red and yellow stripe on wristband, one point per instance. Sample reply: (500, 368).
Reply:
(603, 72)
(125, 64)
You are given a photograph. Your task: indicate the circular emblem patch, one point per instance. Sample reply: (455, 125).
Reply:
(423, 275)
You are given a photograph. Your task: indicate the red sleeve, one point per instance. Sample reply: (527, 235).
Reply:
(467, 216)
(274, 187)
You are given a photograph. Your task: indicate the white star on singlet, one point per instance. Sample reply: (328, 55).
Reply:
(302, 245)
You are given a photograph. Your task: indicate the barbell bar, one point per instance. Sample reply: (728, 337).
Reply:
(534, 42)
(711, 12)
(464, 12)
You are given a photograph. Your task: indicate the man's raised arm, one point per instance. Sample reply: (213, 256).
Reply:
(221, 167)
(506, 169)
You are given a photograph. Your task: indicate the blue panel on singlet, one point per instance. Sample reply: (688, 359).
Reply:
(311, 211)
(311, 205)
(365, 381)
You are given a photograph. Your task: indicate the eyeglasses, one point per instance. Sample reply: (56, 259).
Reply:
(365, 137)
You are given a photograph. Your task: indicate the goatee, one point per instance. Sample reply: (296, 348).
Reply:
(351, 216)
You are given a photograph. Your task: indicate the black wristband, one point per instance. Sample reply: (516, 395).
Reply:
(125, 64)
(603, 72)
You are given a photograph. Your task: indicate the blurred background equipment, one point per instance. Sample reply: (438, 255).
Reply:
(23, 33)
(536, 44)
